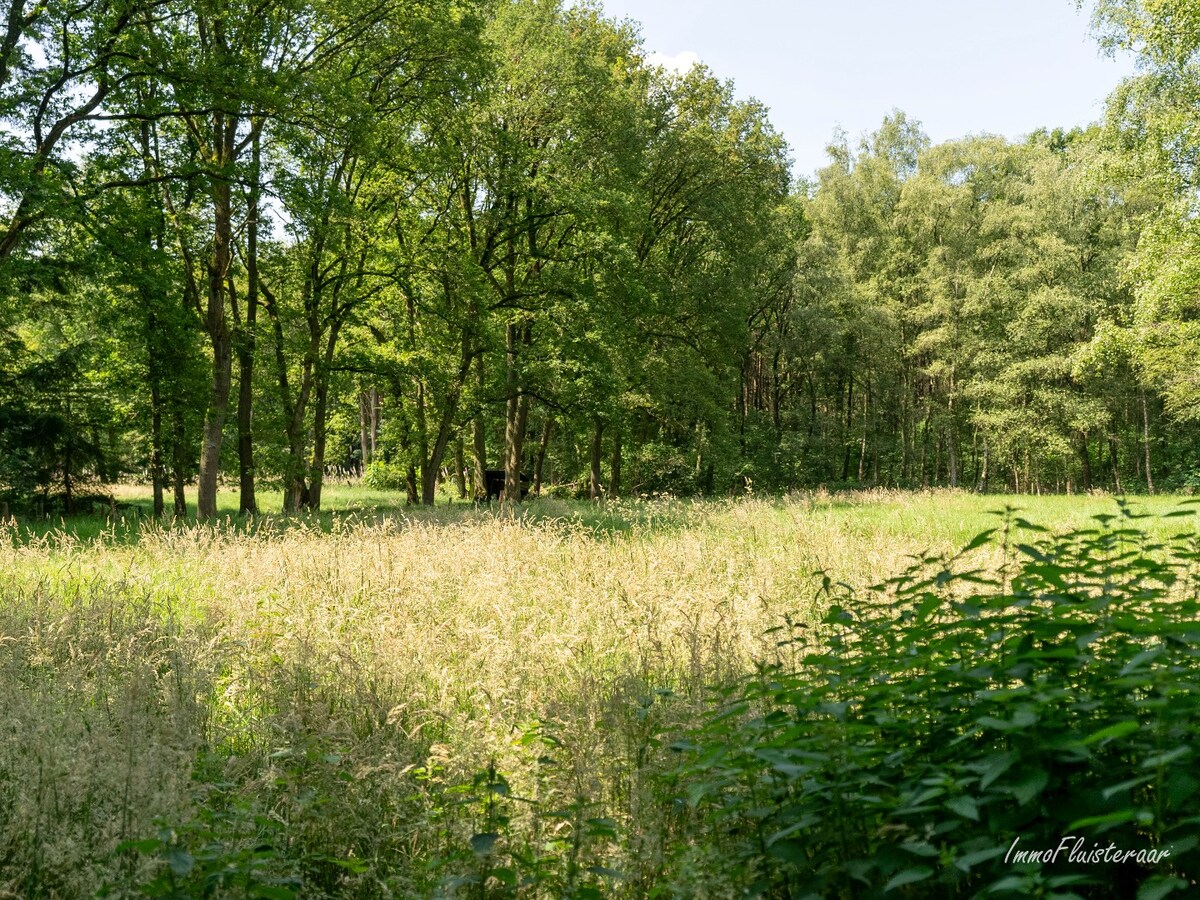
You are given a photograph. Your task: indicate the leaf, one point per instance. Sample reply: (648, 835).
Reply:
(505, 876)
(1029, 786)
(978, 541)
(908, 876)
(352, 864)
(994, 767)
(1162, 759)
(806, 821)
(1009, 883)
(180, 861)
(271, 892)
(146, 846)
(1138, 659)
(1108, 820)
(602, 828)
(971, 859)
(483, 843)
(920, 849)
(1159, 886)
(1109, 792)
(605, 872)
(965, 807)
(1120, 729)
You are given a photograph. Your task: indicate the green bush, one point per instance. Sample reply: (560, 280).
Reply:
(383, 475)
(900, 746)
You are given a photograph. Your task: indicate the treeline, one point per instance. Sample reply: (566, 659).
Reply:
(960, 320)
(267, 240)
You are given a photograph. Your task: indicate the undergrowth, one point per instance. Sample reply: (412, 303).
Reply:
(917, 740)
(386, 711)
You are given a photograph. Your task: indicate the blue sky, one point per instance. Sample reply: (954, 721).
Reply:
(957, 66)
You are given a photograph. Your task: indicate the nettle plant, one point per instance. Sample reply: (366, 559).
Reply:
(903, 744)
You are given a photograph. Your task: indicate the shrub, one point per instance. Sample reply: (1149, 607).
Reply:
(901, 745)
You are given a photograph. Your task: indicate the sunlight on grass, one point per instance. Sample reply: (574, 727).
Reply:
(157, 675)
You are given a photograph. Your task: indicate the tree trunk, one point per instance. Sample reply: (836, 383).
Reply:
(1112, 458)
(479, 437)
(68, 464)
(247, 502)
(157, 469)
(460, 472)
(983, 475)
(369, 408)
(432, 461)
(1085, 459)
(179, 464)
(1146, 442)
(614, 476)
(951, 451)
(410, 484)
(217, 325)
(849, 425)
(316, 472)
(295, 486)
(539, 461)
(923, 471)
(596, 491)
(364, 414)
(516, 412)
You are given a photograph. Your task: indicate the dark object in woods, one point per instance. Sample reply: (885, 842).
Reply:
(494, 481)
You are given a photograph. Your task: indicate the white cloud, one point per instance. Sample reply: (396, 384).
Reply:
(680, 63)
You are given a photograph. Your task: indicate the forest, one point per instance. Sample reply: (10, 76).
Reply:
(273, 242)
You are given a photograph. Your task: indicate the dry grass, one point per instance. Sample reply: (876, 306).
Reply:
(339, 681)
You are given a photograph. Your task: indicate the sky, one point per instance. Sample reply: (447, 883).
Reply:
(958, 67)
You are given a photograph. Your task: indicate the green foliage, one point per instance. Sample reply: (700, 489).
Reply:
(912, 735)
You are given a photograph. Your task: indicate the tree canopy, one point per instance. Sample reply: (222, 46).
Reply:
(271, 241)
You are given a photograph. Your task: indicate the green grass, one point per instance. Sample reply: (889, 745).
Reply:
(347, 705)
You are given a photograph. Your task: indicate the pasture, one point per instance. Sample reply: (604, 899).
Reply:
(393, 703)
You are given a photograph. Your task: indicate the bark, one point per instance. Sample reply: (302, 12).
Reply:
(516, 411)
(247, 340)
(68, 464)
(368, 426)
(410, 484)
(460, 470)
(614, 479)
(777, 395)
(983, 475)
(1085, 459)
(922, 471)
(1146, 442)
(1112, 459)
(951, 449)
(539, 461)
(295, 485)
(479, 437)
(179, 464)
(432, 457)
(849, 425)
(216, 322)
(316, 476)
(596, 490)
(364, 456)
(157, 469)
(316, 471)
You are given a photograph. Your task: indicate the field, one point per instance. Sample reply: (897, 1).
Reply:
(406, 703)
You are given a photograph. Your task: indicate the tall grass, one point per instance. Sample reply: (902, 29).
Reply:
(457, 702)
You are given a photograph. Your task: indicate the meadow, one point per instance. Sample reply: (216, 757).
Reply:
(384, 702)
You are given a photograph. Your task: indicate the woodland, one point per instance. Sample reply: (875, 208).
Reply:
(267, 242)
(359, 262)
